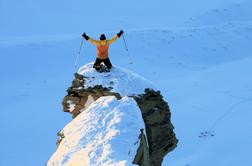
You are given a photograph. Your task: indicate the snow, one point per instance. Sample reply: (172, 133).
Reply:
(89, 101)
(71, 105)
(70, 17)
(231, 13)
(122, 81)
(221, 106)
(102, 135)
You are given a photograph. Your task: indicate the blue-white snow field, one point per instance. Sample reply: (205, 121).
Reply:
(197, 53)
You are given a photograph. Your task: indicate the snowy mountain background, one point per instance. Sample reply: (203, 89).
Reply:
(197, 53)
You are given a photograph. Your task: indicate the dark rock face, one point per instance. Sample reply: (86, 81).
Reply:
(159, 129)
(155, 111)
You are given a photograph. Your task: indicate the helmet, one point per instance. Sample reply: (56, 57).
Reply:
(103, 37)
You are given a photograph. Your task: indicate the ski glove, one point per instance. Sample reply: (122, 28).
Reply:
(85, 36)
(120, 33)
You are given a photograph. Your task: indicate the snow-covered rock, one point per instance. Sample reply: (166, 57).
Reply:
(91, 85)
(119, 80)
(104, 134)
(92, 138)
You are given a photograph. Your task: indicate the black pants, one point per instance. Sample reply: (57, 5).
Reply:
(105, 61)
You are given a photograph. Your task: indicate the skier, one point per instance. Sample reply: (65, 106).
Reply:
(102, 50)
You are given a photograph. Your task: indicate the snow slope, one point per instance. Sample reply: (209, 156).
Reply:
(104, 134)
(213, 116)
(44, 17)
(236, 12)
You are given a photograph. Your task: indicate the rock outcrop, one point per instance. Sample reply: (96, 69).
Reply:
(88, 86)
(79, 98)
(159, 129)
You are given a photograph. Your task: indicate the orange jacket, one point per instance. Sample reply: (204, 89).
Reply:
(103, 46)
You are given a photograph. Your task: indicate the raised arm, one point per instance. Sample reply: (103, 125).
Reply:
(95, 42)
(113, 39)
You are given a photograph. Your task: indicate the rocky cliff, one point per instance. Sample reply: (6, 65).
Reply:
(89, 86)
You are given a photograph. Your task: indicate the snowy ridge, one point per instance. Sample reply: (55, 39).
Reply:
(104, 134)
(121, 80)
(238, 12)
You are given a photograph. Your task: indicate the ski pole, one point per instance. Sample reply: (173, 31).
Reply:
(126, 48)
(78, 55)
